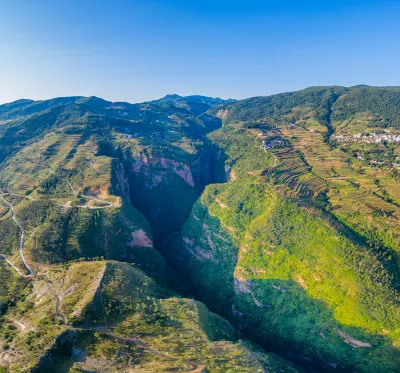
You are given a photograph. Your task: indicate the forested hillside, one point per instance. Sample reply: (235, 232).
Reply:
(194, 234)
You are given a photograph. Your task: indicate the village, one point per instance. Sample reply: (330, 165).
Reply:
(272, 140)
(369, 138)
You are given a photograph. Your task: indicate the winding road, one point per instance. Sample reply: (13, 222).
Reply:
(194, 367)
(94, 199)
(22, 238)
(13, 265)
(105, 204)
(90, 198)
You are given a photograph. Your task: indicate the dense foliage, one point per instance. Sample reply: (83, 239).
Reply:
(329, 103)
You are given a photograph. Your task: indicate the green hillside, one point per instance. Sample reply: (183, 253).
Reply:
(300, 247)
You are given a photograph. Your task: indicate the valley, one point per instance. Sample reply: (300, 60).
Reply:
(193, 234)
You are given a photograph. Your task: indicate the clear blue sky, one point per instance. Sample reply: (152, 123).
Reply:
(135, 50)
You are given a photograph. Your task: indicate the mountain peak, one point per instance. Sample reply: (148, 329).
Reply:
(171, 96)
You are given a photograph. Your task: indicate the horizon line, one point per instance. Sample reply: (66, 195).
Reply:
(197, 94)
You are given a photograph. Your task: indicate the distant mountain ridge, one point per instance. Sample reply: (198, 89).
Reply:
(381, 102)
(26, 107)
(195, 104)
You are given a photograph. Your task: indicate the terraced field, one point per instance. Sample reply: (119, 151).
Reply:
(294, 173)
(355, 197)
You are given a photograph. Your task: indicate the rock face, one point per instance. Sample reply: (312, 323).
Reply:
(165, 189)
(140, 239)
(144, 165)
(222, 113)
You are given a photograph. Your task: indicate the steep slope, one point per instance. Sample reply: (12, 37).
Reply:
(341, 143)
(134, 322)
(300, 248)
(166, 156)
(157, 145)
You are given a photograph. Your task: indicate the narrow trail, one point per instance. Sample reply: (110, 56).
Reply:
(13, 266)
(105, 204)
(22, 238)
(94, 199)
(195, 368)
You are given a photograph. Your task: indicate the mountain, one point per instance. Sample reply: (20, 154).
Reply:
(24, 108)
(194, 234)
(382, 103)
(210, 101)
(196, 105)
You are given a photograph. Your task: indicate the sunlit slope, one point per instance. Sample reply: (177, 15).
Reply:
(82, 162)
(342, 145)
(77, 203)
(112, 312)
(265, 252)
(294, 239)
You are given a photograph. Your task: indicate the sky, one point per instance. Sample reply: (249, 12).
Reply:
(137, 50)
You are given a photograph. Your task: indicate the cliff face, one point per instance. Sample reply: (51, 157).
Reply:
(205, 253)
(163, 190)
(164, 184)
(294, 280)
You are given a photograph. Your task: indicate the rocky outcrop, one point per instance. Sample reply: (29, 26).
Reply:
(222, 113)
(144, 164)
(122, 185)
(244, 287)
(140, 239)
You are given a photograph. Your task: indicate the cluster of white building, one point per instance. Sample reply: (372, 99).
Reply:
(372, 138)
(273, 143)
